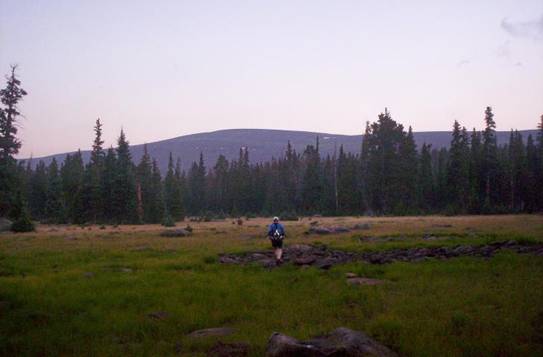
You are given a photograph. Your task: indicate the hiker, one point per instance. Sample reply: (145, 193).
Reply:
(276, 234)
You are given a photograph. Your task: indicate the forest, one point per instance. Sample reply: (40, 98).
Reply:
(389, 176)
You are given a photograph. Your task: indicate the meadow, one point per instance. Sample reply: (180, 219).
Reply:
(111, 291)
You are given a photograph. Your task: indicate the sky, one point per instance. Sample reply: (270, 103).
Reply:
(161, 69)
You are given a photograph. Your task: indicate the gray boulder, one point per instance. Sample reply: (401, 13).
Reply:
(340, 342)
(175, 233)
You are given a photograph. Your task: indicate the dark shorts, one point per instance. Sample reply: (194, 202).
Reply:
(276, 242)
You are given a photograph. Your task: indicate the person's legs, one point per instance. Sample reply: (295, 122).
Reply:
(278, 253)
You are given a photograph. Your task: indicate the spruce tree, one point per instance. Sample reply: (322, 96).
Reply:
(458, 170)
(489, 161)
(426, 186)
(95, 171)
(124, 200)
(54, 206)
(172, 193)
(10, 96)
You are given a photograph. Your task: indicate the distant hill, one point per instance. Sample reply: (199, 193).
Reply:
(263, 144)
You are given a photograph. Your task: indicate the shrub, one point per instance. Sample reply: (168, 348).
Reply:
(23, 224)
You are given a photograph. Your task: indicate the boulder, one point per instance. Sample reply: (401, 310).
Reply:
(364, 281)
(175, 233)
(340, 230)
(340, 342)
(158, 315)
(319, 230)
(214, 331)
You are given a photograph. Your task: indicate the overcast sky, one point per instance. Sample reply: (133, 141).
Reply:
(161, 69)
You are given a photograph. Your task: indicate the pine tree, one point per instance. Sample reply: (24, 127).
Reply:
(155, 210)
(144, 187)
(517, 174)
(10, 96)
(94, 174)
(124, 205)
(22, 221)
(38, 191)
(408, 175)
(426, 180)
(476, 181)
(107, 181)
(172, 193)
(533, 186)
(72, 174)
(196, 186)
(489, 161)
(383, 176)
(54, 205)
(458, 170)
(312, 180)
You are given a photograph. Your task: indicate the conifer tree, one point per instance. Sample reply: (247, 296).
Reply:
(458, 170)
(94, 174)
(124, 200)
(489, 160)
(54, 205)
(426, 180)
(172, 193)
(10, 96)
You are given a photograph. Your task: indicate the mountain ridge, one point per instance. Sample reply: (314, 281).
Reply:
(263, 145)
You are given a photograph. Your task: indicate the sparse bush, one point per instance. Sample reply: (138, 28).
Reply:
(23, 224)
(210, 259)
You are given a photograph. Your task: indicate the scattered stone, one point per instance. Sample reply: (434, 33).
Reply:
(364, 281)
(442, 225)
(220, 349)
(319, 230)
(322, 257)
(214, 331)
(314, 223)
(126, 270)
(88, 274)
(158, 315)
(361, 226)
(340, 342)
(70, 237)
(351, 275)
(175, 233)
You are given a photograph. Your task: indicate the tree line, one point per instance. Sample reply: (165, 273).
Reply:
(390, 175)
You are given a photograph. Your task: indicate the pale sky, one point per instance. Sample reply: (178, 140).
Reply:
(162, 69)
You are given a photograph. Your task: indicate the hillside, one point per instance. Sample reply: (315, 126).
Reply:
(263, 144)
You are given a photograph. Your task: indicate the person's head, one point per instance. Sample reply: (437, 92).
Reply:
(275, 219)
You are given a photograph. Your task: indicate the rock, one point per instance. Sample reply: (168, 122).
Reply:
(313, 223)
(305, 260)
(340, 342)
(340, 230)
(319, 230)
(158, 315)
(5, 224)
(364, 281)
(126, 270)
(88, 274)
(214, 331)
(175, 233)
(350, 275)
(362, 226)
(220, 349)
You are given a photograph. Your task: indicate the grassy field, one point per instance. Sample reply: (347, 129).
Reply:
(89, 290)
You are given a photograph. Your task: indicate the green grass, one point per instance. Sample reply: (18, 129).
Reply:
(462, 306)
